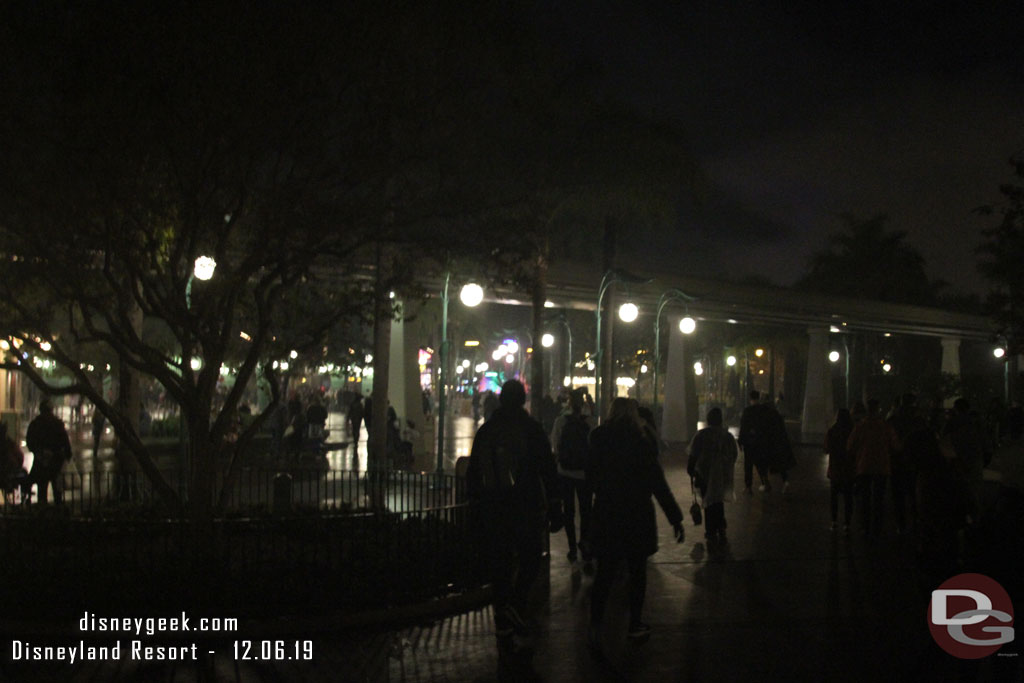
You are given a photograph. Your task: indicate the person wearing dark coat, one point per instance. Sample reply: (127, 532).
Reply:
(355, 420)
(711, 461)
(512, 483)
(842, 470)
(624, 469)
(755, 440)
(51, 448)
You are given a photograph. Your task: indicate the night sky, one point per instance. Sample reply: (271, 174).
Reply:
(800, 114)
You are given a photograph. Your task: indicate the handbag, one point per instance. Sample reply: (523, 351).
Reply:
(695, 510)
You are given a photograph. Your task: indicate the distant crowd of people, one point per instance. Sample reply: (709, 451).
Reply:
(526, 478)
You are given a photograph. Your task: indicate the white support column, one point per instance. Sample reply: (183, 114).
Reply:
(679, 419)
(818, 409)
(951, 361)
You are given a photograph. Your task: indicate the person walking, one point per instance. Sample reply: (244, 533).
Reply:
(906, 420)
(872, 443)
(712, 458)
(570, 438)
(99, 422)
(842, 469)
(51, 448)
(625, 473)
(354, 416)
(755, 440)
(511, 481)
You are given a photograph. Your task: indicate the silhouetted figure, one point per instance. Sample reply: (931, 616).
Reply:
(905, 421)
(12, 464)
(570, 438)
(967, 436)
(712, 457)
(476, 406)
(842, 469)
(490, 405)
(316, 419)
(942, 502)
(625, 473)
(99, 422)
(511, 478)
(756, 441)
(872, 443)
(355, 420)
(51, 448)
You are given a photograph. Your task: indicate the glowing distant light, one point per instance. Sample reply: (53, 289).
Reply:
(498, 353)
(465, 363)
(510, 358)
(204, 267)
(459, 370)
(643, 368)
(284, 365)
(471, 294)
(628, 312)
(549, 304)
(4, 345)
(833, 328)
(391, 294)
(698, 368)
(998, 352)
(195, 363)
(590, 365)
(758, 352)
(294, 354)
(45, 346)
(730, 361)
(833, 356)
(368, 358)
(886, 368)
(472, 342)
(511, 346)
(566, 381)
(547, 340)
(687, 325)
(887, 334)
(245, 336)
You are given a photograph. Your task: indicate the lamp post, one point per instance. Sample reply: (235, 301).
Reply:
(471, 295)
(628, 312)
(202, 269)
(687, 325)
(561, 319)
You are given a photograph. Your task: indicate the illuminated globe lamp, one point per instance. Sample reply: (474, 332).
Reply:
(833, 356)
(730, 361)
(203, 268)
(999, 352)
(628, 312)
(471, 294)
(547, 340)
(687, 325)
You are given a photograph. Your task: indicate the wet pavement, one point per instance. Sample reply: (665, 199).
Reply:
(785, 599)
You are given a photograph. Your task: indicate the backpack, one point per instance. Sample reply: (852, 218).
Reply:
(573, 443)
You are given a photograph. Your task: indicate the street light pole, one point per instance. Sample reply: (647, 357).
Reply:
(611, 276)
(470, 295)
(441, 370)
(667, 296)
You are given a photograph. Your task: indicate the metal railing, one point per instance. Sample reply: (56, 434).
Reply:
(327, 557)
(253, 491)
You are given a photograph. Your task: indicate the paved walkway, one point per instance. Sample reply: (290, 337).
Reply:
(787, 599)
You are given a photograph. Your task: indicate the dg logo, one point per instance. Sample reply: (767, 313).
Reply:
(970, 616)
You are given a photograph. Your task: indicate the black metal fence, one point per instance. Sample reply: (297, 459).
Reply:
(322, 553)
(252, 491)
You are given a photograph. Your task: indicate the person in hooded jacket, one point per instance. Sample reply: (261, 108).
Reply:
(625, 473)
(712, 457)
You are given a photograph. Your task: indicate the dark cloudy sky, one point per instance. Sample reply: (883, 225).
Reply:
(801, 113)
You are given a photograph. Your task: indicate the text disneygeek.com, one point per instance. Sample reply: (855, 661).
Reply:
(139, 645)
